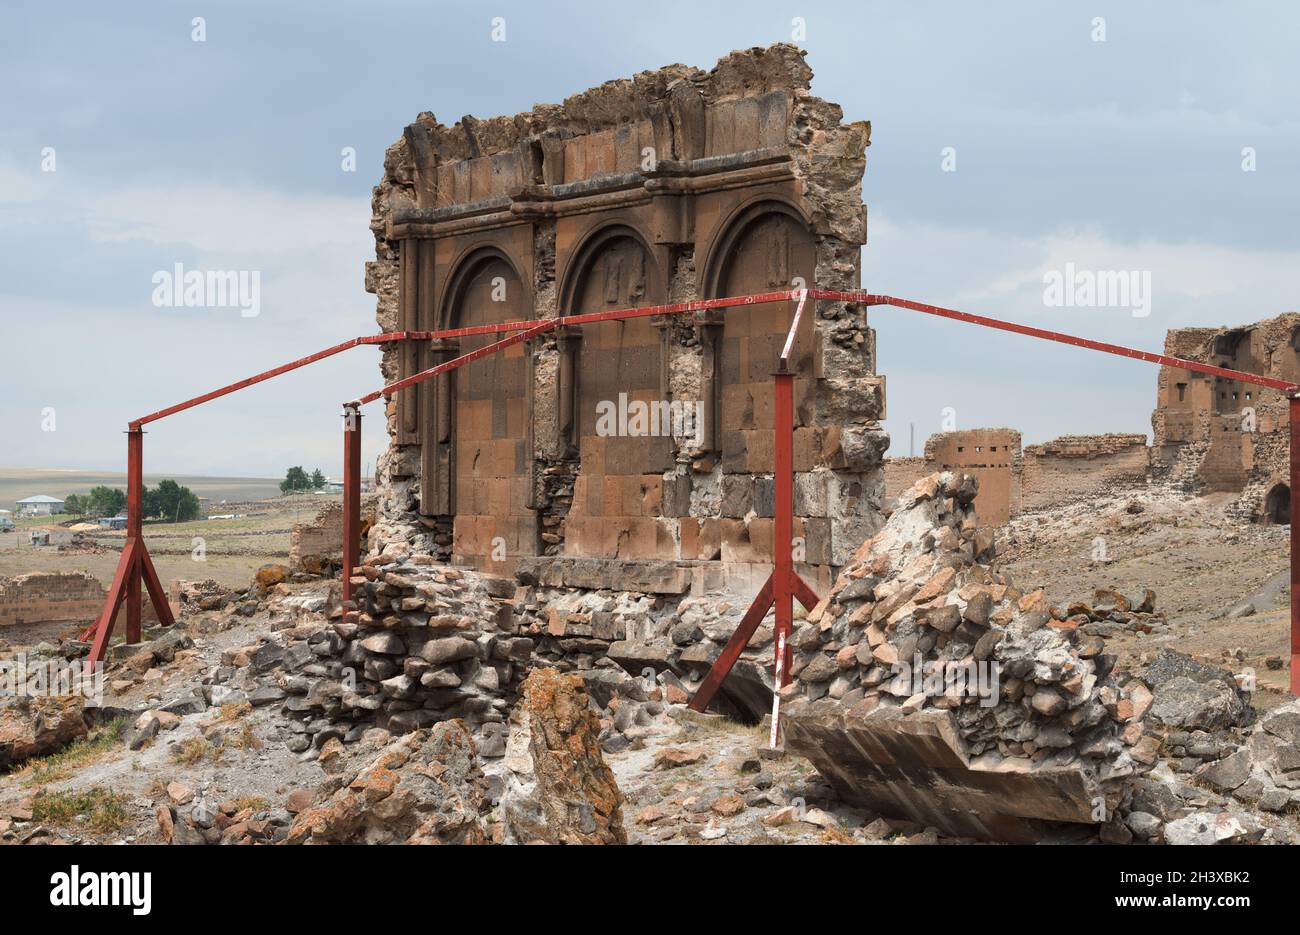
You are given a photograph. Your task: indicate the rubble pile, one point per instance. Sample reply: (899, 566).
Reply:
(210, 595)
(423, 788)
(1217, 786)
(1110, 612)
(916, 592)
(574, 629)
(425, 644)
(918, 623)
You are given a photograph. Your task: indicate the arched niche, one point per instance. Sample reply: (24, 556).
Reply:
(765, 247)
(1277, 505)
(611, 411)
(482, 422)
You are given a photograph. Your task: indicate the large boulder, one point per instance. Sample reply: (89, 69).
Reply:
(559, 789)
(1192, 695)
(423, 788)
(37, 726)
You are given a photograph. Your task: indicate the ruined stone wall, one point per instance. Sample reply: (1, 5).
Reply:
(1081, 467)
(669, 186)
(73, 597)
(1214, 434)
(1065, 470)
(992, 455)
(316, 547)
(58, 597)
(902, 473)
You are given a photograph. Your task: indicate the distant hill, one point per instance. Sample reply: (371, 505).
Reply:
(17, 483)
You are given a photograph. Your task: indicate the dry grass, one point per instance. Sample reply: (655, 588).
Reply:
(195, 750)
(99, 810)
(233, 712)
(255, 803)
(247, 740)
(78, 754)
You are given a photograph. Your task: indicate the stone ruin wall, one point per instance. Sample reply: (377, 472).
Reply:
(50, 598)
(1081, 467)
(73, 597)
(991, 455)
(1217, 435)
(1039, 477)
(673, 185)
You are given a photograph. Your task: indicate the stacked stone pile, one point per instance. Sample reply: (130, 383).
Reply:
(1109, 611)
(919, 592)
(574, 629)
(423, 645)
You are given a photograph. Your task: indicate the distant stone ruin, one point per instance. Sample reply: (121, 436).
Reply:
(1037, 477)
(1214, 434)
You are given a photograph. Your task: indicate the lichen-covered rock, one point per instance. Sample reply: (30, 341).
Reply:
(36, 726)
(423, 788)
(559, 789)
(268, 576)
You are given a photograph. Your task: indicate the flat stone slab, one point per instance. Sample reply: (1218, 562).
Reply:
(648, 577)
(915, 766)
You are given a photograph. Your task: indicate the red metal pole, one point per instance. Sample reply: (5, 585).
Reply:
(731, 652)
(134, 525)
(351, 498)
(1295, 544)
(783, 524)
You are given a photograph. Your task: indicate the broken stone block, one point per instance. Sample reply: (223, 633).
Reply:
(559, 790)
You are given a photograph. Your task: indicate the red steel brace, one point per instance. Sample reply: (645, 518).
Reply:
(352, 445)
(136, 567)
(1295, 545)
(784, 584)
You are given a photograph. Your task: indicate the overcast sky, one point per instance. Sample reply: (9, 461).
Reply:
(1119, 155)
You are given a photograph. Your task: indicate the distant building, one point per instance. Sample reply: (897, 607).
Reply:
(39, 505)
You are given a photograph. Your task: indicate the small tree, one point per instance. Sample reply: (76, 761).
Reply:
(105, 501)
(317, 479)
(295, 479)
(73, 505)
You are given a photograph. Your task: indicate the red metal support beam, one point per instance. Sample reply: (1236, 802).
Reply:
(1295, 544)
(351, 500)
(265, 375)
(456, 362)
(136, 566)
(762, 603)
(134, 524)
(866, 298)
(784, 584)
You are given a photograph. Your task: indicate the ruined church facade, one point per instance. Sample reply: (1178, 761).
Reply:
(643, 448)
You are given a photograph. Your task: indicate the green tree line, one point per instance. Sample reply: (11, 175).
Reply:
(169, 501)
(296, 479)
